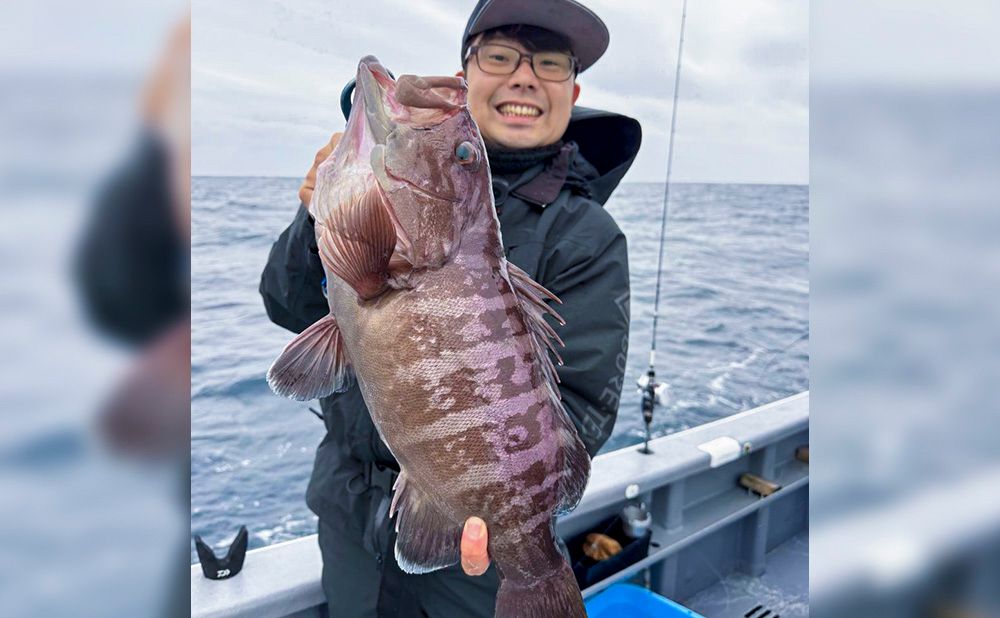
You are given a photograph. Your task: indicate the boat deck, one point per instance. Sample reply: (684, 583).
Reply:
(705, 525)
(781, 592)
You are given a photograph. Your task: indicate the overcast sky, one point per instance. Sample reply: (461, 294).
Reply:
(267, 75)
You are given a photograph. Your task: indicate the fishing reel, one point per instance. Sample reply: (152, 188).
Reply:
(653, 393)
(658, 393)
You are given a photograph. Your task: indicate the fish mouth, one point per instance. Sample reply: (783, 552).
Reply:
(377, 88)
(412, 101)
(394, 106)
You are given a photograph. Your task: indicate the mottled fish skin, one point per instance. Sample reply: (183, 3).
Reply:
(452, 382)
(446, 357)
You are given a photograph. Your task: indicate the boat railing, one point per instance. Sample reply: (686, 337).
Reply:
(694, 482)
(691, 484)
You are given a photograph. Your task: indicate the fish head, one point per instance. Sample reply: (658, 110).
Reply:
(425, 153)
(434, 147)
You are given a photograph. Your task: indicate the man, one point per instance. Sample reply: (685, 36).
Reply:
(553, 167)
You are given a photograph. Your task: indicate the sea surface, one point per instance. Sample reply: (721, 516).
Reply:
(733, 333)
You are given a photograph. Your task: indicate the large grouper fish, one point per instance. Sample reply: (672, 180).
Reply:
(446, 339)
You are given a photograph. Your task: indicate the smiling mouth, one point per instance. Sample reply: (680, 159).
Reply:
(514, 110)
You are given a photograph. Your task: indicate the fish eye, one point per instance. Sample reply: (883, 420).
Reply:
(466, 153)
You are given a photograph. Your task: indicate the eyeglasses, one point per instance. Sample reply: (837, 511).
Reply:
(502, 60)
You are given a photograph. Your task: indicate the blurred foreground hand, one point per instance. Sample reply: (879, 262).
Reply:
(148, 415)
(166, 108)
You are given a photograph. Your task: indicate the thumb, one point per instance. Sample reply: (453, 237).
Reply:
(475, 539)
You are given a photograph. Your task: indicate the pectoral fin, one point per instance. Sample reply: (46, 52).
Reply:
(312, 365)
(357, 242)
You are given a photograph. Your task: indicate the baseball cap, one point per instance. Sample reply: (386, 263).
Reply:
(587, 34)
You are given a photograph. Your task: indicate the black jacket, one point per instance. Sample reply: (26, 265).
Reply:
(555, 228)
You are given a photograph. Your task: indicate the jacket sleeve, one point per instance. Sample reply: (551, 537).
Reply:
(291, 284)
(592, 280)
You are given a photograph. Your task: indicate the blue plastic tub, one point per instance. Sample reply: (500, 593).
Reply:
(629, 601)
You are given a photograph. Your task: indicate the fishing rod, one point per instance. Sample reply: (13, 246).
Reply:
(347, 98)
(654, 392)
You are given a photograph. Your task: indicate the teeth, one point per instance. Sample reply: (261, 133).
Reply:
(519, 110)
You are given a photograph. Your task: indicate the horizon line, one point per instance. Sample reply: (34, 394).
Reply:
(660, 182)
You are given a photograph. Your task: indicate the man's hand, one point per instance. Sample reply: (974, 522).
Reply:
(309, 184)
(475, 559)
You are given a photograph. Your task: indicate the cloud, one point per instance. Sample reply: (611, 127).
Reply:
(267, 79)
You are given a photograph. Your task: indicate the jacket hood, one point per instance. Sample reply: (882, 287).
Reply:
(598, 149)
(609, 142)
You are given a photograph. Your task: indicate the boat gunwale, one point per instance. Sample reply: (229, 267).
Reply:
(264, 592)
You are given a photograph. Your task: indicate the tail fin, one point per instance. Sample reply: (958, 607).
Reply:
(555, 596)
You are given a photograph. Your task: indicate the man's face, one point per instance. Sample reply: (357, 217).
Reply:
(498, 103)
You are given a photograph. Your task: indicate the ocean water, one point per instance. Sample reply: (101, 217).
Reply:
(733, 334)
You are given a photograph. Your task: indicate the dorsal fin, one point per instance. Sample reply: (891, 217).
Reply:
(531, 296)
(576, 468)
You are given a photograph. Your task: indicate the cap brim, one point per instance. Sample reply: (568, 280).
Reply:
(588, 35)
